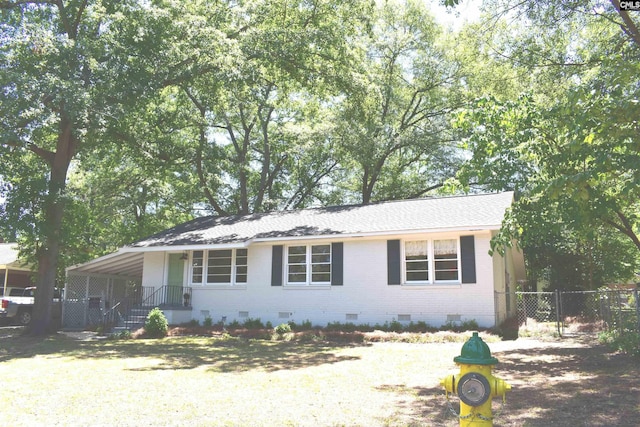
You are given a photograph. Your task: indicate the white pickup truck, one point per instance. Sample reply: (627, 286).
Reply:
(17, 307)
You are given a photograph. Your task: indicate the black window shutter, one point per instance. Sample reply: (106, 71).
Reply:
(336, 264)
(393, 262)
(468, 259)
(276, 265)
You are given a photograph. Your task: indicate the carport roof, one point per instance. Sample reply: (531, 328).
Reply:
(9, 258)
(121, 263)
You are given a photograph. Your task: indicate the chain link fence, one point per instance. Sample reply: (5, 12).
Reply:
(574, 312)
(87, 298)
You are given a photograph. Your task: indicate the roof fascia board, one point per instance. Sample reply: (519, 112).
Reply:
(247, 243)
(170, 248)
(480, 229)
(12, 267)
(102, 259)
(104, 275)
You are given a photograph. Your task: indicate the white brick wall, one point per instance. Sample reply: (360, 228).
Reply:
(365, 292)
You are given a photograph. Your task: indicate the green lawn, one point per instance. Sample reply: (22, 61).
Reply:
(208, 381)
(238, 382)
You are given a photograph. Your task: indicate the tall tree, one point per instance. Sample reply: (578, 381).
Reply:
(67, 71)
(252, 136)
(569, 147)
(394, 127)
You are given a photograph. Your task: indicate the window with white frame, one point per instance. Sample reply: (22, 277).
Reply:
(445, 259)
(417, 260)
(308, 264)
(428, 261)
(219, 267)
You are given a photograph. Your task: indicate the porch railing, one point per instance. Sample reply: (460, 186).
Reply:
(134, 308)
(169, 297)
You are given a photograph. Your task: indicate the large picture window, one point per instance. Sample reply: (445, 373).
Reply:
(428, 261)
(216, 267)
(309, 264)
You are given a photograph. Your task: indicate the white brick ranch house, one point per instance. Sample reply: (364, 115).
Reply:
(408, 261)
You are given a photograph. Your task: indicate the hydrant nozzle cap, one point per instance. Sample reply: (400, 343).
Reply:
(475, 352)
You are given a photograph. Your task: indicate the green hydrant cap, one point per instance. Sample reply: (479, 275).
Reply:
(475, 352)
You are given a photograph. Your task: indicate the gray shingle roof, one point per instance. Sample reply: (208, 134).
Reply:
(484, 211)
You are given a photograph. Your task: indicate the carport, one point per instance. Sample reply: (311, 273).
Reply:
(93, 289)
(13, 273)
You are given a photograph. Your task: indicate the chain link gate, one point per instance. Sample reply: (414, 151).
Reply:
(575, 312)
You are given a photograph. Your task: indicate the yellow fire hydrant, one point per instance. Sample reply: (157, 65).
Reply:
(474, 385)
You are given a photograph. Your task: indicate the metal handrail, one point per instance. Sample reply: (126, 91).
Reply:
(165, 296)
(169, 296)
(108, 316)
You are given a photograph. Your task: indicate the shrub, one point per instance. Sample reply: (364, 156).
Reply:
(253, 324)
(305, 326)
(420, 326)
(283, 328)
(394, 326)
(233, 325)
(156, 325)
(509, 328)
(208, 322)
(470, 325)
(342, 327)
(627, 342)
(122, 335)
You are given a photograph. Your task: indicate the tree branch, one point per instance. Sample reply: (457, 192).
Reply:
(626, 228)
(46, 155)
(629, 27)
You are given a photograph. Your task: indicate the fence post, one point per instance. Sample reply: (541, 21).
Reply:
(620, 314)
(635, 297)
(558, 311)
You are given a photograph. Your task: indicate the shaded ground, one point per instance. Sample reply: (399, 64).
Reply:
(574, 381)
(561, 382)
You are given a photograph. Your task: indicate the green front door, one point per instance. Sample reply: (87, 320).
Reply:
(175, 279)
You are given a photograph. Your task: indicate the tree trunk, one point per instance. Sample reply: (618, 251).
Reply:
(49, 251)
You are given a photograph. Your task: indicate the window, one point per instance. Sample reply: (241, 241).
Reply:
(219, 266)
(431, 261)
(197, 266)
(445, 255)
(241, 265)
(417, 261)
(225, 266)
(297, 264)
(309, 264)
